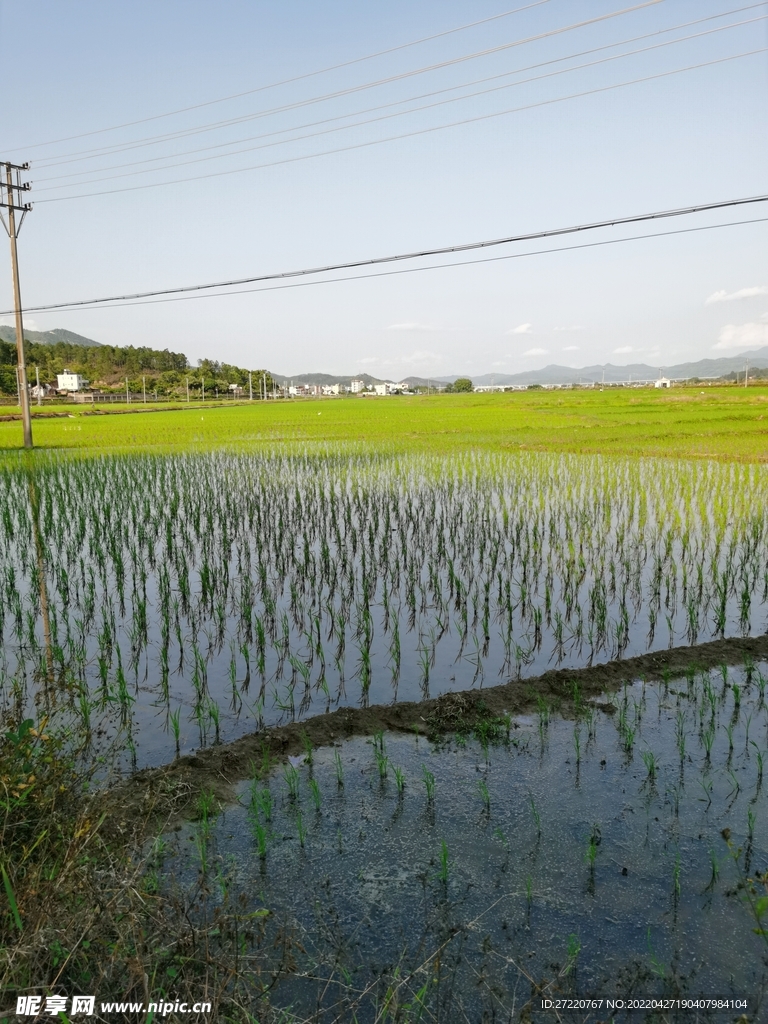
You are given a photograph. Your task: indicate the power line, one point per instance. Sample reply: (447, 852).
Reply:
(462, 59)
(433, 266)
(418, 254)
(290, 81)
(428, 95)
(373, 120)
(411, 134)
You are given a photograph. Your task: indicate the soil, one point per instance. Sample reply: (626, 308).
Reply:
(158, 799)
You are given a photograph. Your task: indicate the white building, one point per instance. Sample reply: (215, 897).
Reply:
(356, 386)
(381, 389)
(70, 381)
(663, 382)
(333, 389)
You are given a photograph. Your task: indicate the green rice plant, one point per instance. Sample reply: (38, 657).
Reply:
(207, 808)
(291, 776)
(300, 828)
(708, 739)
(260, 835)
(382, 762)
(314, 789)
(399, 780)
(759, 759)
(176, 727)
(214, 714)
(261, 801)
(339, 769)
(595, 838)
(306, 743)
(651, 764)
(429, 783)
(572, 954)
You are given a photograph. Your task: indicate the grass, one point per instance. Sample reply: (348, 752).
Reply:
(698, 422)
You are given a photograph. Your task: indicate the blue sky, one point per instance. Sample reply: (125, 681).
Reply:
(689, 136)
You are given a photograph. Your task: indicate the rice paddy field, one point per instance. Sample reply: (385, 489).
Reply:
(173, 584)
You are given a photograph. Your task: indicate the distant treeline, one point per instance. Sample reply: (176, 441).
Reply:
(108, 366)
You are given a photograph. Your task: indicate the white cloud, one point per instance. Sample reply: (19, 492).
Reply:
(742, 293)
(743, 336)
(571, 348)
(569, 330)
(622, 350)
(29, 324)
(421, 356)
(521, 329)
(535, 352)
(412, 327)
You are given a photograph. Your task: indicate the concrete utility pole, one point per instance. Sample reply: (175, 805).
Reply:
(187, 390)
(10, 200)
(250, 386)
(37, 378)
(746, 372)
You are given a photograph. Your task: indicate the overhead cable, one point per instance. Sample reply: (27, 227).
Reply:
(401, 257)
(290, 81)
(356, 124)
(410, 134)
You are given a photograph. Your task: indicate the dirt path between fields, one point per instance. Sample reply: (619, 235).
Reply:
(163, 797)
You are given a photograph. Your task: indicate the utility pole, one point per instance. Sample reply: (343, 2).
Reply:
(144, 388)
(250, 386)
(10, 200)
(187, 390)
(37, 378)
(746, 372)
(127, 397)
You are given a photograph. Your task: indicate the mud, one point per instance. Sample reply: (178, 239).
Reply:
(157, 799)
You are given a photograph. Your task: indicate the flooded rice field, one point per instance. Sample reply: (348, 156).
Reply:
(614, 856)
(184, 600)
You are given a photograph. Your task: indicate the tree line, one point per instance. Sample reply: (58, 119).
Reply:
(107, 367)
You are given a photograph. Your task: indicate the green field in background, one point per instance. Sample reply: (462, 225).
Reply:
(710, 422)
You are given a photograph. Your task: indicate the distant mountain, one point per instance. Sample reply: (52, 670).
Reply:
(326, 378)
(555, 374)
(58, 334)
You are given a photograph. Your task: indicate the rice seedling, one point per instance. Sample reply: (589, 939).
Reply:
(155, 549)
(399, 780)
(314, 790)
(382, 762)
(651, 764)
(339, 769)
(429, 783)
(595, 838)
(291, 776)
(444, 863)
(300, 828)
(176, 726)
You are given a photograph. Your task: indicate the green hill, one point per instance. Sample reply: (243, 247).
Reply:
(54, 337)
